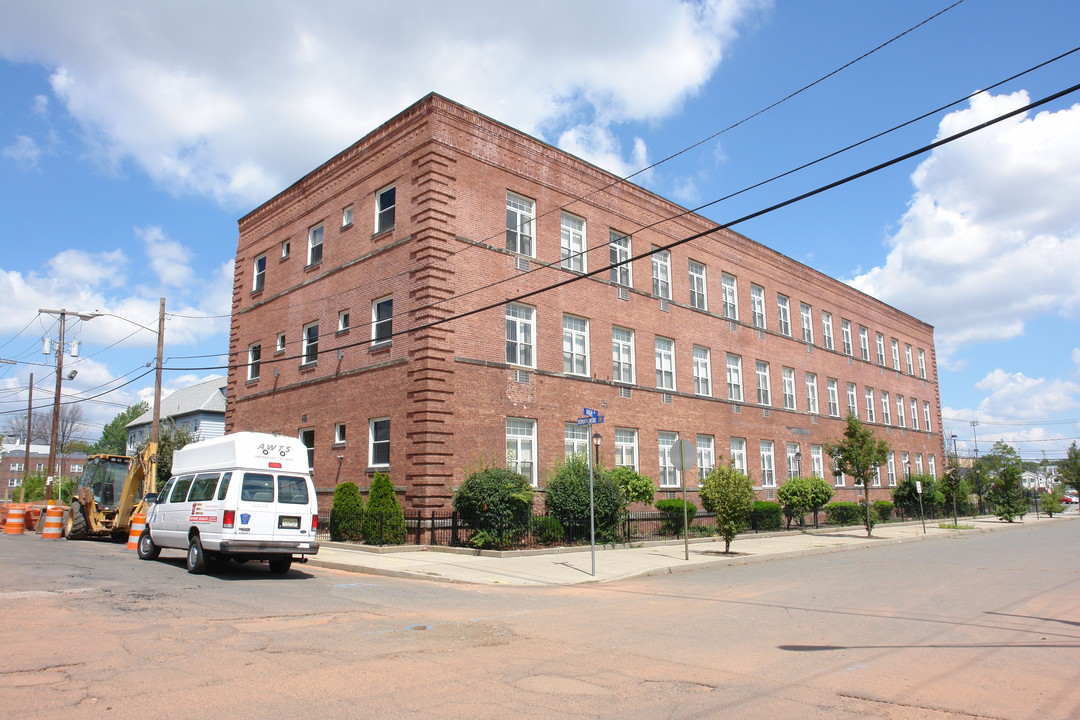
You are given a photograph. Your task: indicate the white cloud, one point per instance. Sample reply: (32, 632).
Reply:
(1016, 396)
(212, 122)
(168, 258)
(24, 151)
(991, 238)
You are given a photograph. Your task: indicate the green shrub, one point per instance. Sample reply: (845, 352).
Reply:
(548, 530)
(845, 513)
(347, 513)
(567, 498)
(766, 515)
(495, 501)
(384, 520)
(671, 515)
(884, 510)
(635, 486)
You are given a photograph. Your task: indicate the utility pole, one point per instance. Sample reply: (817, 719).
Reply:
(29, 431)
(56, 399)
(155, 426)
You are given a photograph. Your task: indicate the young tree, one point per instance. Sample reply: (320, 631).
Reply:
(170, 439)
(1006, 484)
(1053, 504)
(857, 455)
(113, 440)
(728, 494)
(794, 495)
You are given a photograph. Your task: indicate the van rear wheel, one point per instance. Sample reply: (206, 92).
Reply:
(281, 565)
(196, 557)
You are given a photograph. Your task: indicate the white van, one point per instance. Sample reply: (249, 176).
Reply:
(243, 496)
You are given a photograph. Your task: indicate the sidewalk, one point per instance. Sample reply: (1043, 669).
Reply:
(571, 566)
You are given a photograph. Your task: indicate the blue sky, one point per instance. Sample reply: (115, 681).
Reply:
(133, 135)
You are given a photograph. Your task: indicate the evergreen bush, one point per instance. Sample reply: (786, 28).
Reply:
(495, 501)
(766, 515)
(845, 513)
(671, 515)
(347, 513)
(548, 530)
(384, 520)
(884, 510)
(567, 498)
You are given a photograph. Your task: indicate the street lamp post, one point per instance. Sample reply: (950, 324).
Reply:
(955, 482)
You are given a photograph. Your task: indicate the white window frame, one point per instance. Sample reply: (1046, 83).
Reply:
(382, 319)
(926, 416)
(806, 314)
(342, 320)
(901, 421)
(757, 307)
(520, 335)
(315, 244)
(811, 393)
(520, 221)
(845, 336)
(575, 345)
(706, 456)
(373, 443)
(827, 330)
(922, 363)
(347, 216)
(768, 463)
(853, 399)
(734, 377)
(729, 290)
(738, 454)
(932, 465)
(661, 274)
(572, 242)
(914, 414)
(868, 394)
(895, 346)
(880, 340)
(258, 280)
(699, 297)
(254, 361)
(908, 362)
(619, 250)
(385, 209)
(280, 343)
(764, 386)
(788, 379)
(310, 344)
(886, 408)
(622, 355)
(665, 363)
(702, 371)
(669, 476)
(783, 315)
(626, 448)
(890, 469)
(521, 447)
(817, 461)
(286, 249)
(794, 459)
(834, 397)
(864, 343)
(575, 439)
(339, 434)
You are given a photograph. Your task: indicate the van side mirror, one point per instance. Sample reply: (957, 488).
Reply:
(150, 498)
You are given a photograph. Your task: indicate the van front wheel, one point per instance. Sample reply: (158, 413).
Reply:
(281, 565)
(196, 558)
(146, 548)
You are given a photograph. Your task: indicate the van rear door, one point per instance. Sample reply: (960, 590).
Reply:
(255, 516)
(294, 510)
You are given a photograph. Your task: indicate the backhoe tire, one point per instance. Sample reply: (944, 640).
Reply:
(196, 556)
(77, 527)
(146, 548)
(281, 565)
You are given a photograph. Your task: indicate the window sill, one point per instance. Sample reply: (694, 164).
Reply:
(338, 445)
(313, 266)
(252, 381)
(256, 293)
(308, 366)
(342, 331)
(346, 227)
(380, 233)
(380, 346)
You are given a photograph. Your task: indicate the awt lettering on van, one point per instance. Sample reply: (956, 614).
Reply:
(279, 450)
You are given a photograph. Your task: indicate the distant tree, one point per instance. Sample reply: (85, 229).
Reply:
(1069, 468)
(858, 455)
(33, 489)
(384, 520)
(957, 489)
(170, 439)
(113, 440)
(1053, 504)
(728, 494)
(14, 428)
(1004, 468)
(906, 494)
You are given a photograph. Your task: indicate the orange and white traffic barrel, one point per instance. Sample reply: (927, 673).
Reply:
(138, 524)
(16, 520)
(54, 523)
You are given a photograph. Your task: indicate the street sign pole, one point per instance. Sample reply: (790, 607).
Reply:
(591, 417)
(683, 455)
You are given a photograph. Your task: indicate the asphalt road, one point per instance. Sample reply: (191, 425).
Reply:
(973, 626)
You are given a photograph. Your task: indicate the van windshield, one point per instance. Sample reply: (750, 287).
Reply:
(292, 490)
(257, 487)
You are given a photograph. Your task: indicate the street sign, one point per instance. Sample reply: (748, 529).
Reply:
(589, 412)
(590, 420)
(683, 455)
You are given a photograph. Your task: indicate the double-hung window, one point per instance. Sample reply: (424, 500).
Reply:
(922, 364)
(845, 334)
(886, 412)
(926, 416)
(900, 411)
(258, 281)
(811, 393)
(895, 354)
(622, 355)
(706, 456)
(661, 274)
(834, 397)
(764, 392)
(817, 461)
(914, 414)
(768, 464)
(794, 460)
(669, 476)
(826, 330)
(757, 306)
(702, 371)
(730, 296)
(520, 335)
(619, 252)
(575, 345)
(379, 442)
(864, 343)
(521, 447)
(908, 359)
(385, 203)
(310, 334)
(665, 363)
(698, 296)
(626, 454)
(572, 242)
(852, 400)
(520, 215)
(806, 315)
(738, 454)
(870, 404)
(734, 378)
(346, 216)
(254, 356)
(783, 314)
(788, 375)
(314, 241)
(382, 319)
(891, 469)
(880, 339)
(575, 439)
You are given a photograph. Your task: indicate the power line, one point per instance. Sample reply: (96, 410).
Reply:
(696, 236)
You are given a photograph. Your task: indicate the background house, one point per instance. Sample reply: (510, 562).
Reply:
(199, 409)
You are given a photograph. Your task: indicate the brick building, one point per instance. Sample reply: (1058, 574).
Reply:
(13, 465)
(378, 313)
